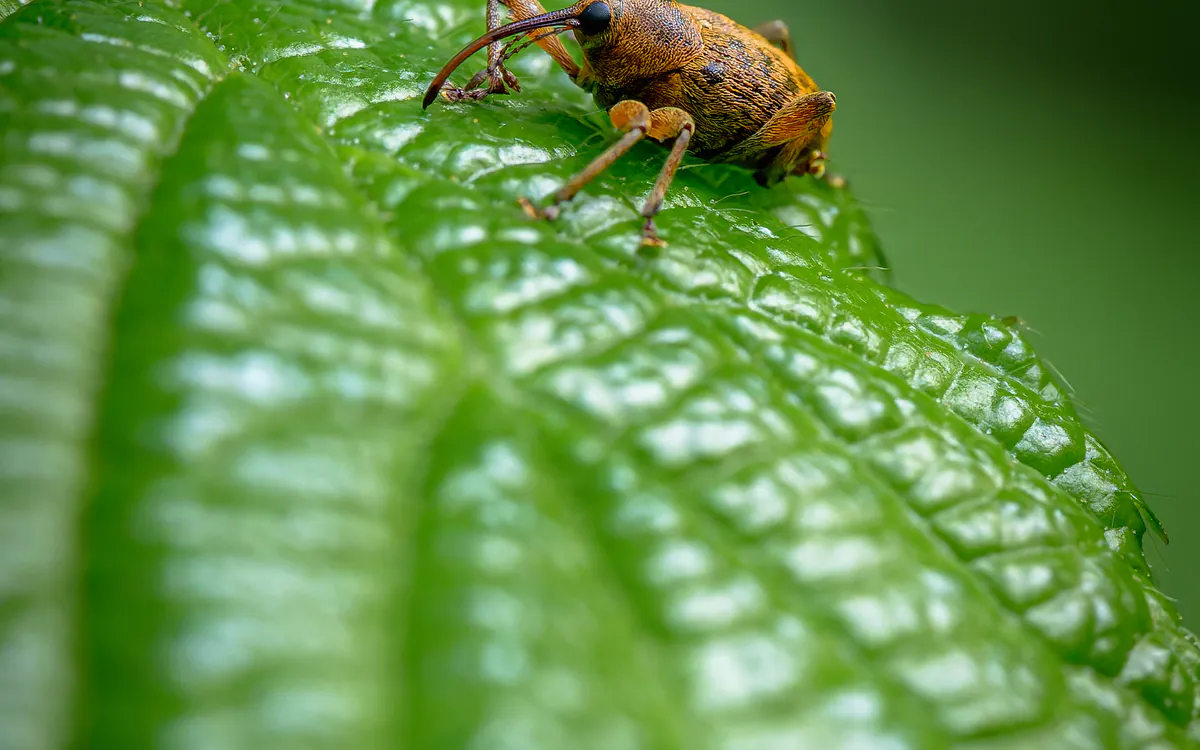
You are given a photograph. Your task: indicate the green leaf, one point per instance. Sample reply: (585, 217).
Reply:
(311, 440)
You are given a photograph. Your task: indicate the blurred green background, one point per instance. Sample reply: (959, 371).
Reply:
(1041, 160)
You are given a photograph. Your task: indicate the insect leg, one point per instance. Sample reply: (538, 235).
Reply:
(795, 136)
(776, 32)
(630, 116)
(497, 74)
(666, 122)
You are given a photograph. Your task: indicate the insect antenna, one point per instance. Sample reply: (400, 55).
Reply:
(533, 38)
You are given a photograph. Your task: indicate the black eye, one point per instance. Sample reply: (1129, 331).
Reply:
(595, 18)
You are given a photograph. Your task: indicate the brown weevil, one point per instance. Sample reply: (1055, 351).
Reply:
(672, 72)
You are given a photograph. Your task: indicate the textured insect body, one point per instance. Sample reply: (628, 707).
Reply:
(678, 74)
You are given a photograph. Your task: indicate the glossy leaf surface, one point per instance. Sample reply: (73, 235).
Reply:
(311, 440)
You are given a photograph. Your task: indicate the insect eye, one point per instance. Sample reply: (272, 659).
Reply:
(595, 18)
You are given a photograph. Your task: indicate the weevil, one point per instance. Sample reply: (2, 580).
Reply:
(684, 76)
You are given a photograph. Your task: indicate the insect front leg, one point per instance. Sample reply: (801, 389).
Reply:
(497, 74)
(499, 78)
(629, 116)
(638, 122)
(667, 122)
